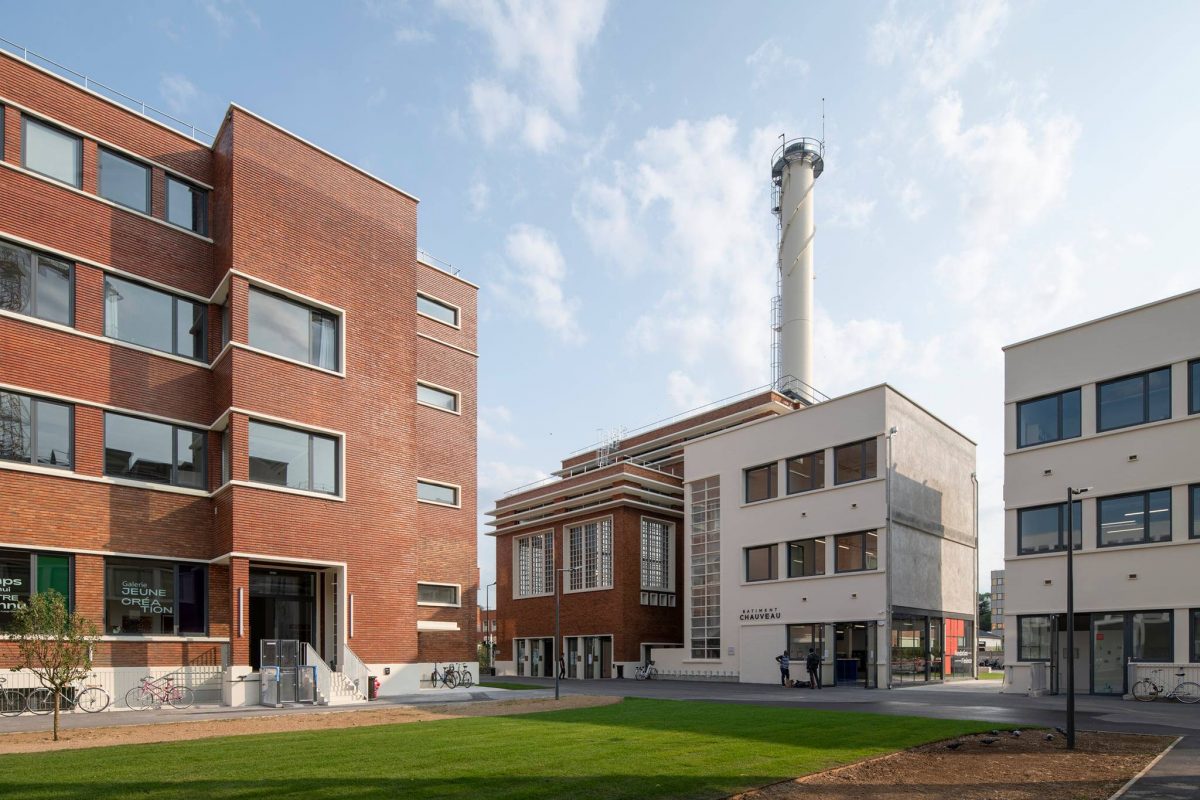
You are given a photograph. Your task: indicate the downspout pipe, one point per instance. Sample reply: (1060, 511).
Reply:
(887, 623)
(974, 645)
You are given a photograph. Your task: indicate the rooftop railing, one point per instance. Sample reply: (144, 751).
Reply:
(107, 92)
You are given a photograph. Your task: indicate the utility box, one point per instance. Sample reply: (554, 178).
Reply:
(372, 687)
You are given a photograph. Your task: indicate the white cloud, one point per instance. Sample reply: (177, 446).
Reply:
(536, 45)
(938, 58)
(479, 195)
(685, 392)
(772, 66)
(704, 233)
(847, 213)
(499, 113)
(377, 97)
(861, 352)
(912, 200)
(493, 425)
(228, 15)
(497, 478)
(533, 284)
(539, 38)
(177, 92)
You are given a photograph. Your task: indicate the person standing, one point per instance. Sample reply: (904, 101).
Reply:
(784, 668)
(813, 662)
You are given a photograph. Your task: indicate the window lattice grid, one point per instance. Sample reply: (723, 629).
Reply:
(705, 536)
(656, 554)
(535, 565)
(591, 555)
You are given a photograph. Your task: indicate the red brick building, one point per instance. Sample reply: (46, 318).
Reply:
(605, 535)
(235, 404)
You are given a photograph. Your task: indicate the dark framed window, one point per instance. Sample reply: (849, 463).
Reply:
(2, 114)
(438, 398)
(292, 458)
(855, 462)
(51, 151)
(147, 450)
(762, 483)
(1194, 387)
(1042, 529)
(24, 574)
(806, 557)
(437, 594)
(36, 284)
(187, 205)
(1048, 419)
(762, 563)
(1194, 635)
(293, 330)
(1033, 637)
(1151, 636)
(1135, 518)
(36, 431)
(1133, 400)
(806, 473)
(442, 312)
(124, 181)
(148, 598)
(1194, 511)
(153, 318)
(857, 551)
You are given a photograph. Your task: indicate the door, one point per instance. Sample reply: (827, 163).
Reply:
(520, 657)
(1108, 653)
(572, 657)
(282, 606)
(605, 657)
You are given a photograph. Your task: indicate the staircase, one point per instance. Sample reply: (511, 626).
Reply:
(337, 688)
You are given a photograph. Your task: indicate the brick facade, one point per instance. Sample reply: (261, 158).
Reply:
(283, 215)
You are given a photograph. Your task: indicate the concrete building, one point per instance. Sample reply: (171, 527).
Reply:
(605, 534)
(997, 597)
(235, 403)
(1113, 406)
(817, 528)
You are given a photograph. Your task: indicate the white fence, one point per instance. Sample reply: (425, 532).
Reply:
(204, 680)
(1166, 675)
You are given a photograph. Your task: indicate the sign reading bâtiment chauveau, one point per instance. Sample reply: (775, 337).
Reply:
(759, 614)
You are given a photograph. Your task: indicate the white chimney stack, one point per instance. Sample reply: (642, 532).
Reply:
(795, 168)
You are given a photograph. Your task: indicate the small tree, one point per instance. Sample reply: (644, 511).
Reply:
(481, 654)
(54, 644)
(985, 611)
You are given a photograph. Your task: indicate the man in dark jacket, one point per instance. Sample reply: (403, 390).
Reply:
(784, 668)
(813, 662)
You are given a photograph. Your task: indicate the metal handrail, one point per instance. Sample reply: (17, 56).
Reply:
(324, 674)
(90, 85)
(355, 670)
(438, 263)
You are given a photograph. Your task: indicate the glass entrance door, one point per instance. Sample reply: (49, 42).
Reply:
(282, 606)
(1108, 653)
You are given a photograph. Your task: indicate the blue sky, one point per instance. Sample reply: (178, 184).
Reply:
(994, 170)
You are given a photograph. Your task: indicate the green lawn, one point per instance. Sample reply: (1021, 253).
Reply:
(502, 685)
(634, 749)
(990, 676)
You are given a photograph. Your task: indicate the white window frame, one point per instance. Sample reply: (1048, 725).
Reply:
(568, 554)
(548, 535)
(669, 566)
(457, 589)
(457, 493)
(457, 324)
(457, 410)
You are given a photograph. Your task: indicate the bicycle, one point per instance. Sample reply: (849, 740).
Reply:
(465, 678)
(13, 702)
(89, 699)
(447, 676)
(645, 672)
(1148, 690)
(157, 691)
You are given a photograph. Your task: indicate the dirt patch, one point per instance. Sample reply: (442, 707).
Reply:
(78, 738)
(1025, 767)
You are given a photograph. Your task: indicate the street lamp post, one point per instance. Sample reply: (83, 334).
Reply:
(557, 635)
(1070, 534)
(489, 636)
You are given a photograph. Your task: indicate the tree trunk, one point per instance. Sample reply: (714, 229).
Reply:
(57, 696)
